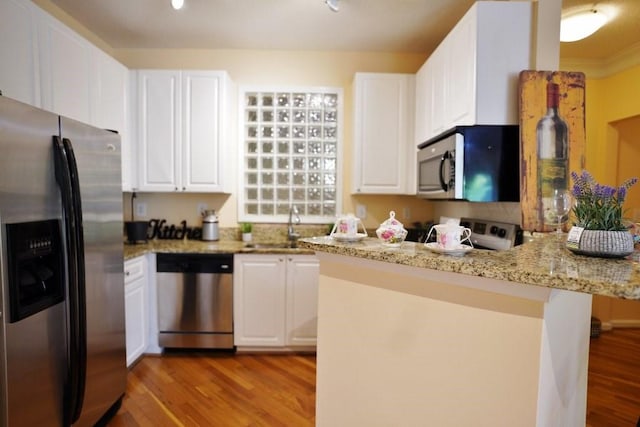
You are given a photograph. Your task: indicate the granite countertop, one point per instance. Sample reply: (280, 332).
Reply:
(544, 261)
(202, 247)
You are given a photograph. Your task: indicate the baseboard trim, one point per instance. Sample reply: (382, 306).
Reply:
(607, 326)
(275, 350)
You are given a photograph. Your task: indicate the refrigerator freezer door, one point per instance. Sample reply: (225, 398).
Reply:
(28, 190)
(33, 358)
(33, 348)
(97, 155)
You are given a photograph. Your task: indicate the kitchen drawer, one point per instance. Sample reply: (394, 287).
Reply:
(133, 269)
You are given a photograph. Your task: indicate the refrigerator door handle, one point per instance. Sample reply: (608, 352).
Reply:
(67, 177)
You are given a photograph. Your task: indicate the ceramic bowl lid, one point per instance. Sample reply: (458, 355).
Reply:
(392, 222)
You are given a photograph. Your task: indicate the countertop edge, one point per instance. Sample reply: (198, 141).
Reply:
(203, 247)
(544, 262)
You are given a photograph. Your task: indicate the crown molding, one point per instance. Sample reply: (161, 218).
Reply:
(600, 68)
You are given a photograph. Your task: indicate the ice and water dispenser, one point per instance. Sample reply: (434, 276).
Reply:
(35, 267)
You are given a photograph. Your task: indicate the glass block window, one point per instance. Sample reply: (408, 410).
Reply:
(290, 154)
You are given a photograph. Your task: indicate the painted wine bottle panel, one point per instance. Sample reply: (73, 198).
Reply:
(552, 139)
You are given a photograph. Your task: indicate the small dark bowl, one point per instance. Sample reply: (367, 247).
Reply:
(136, 231)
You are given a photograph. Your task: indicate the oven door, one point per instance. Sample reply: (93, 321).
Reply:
(437, 174)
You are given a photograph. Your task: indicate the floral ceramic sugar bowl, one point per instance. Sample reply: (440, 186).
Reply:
(391, 232)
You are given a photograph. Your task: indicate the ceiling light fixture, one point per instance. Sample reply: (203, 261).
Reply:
(333, 5)
(580, 25)
(177, 4)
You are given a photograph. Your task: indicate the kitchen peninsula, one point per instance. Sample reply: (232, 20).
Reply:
(411, 337)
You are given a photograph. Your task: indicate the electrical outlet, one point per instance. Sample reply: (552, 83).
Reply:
(361, 211)
(406, 213)
(141, 209)
(202, 207)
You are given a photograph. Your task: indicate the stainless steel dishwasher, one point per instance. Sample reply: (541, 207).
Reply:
(195, 300)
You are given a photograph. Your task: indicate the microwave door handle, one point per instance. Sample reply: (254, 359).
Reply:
(443, 184)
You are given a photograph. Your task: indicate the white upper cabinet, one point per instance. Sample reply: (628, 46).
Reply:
(472, 77)
(438, 112)
(19, 74)
(424, 96)
(205, 110)
(111, 106)
(65, 70)
(384, 152)
(182, 119)
(54, 68)
(460, 67)
(159, 130)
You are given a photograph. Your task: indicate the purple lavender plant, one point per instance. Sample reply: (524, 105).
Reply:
(599, 207)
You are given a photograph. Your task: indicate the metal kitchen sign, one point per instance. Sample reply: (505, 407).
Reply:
(159, 229)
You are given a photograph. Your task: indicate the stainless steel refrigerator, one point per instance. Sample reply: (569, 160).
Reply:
(62, 341)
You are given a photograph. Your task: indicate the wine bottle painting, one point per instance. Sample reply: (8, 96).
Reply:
(552, 138)
(553, 155)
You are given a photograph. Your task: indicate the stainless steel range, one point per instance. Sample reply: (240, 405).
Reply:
(487, 234)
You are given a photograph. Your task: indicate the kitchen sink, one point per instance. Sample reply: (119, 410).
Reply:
(282, 245)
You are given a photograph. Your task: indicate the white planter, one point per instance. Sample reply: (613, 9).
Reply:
(605, 244)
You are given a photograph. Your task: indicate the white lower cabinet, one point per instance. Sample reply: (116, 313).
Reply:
(303, 274)
(275, 300)
(135, 307)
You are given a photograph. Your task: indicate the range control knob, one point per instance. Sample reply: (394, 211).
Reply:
(502, 232)
(493, 229)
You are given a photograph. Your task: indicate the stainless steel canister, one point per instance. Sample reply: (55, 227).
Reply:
(210, 225)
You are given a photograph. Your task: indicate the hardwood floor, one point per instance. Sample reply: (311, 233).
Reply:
(613, 392)
(211, 389)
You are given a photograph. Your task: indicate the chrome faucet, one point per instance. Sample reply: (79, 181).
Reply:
(292, 236)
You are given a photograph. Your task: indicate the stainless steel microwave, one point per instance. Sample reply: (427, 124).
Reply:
(475, 163)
